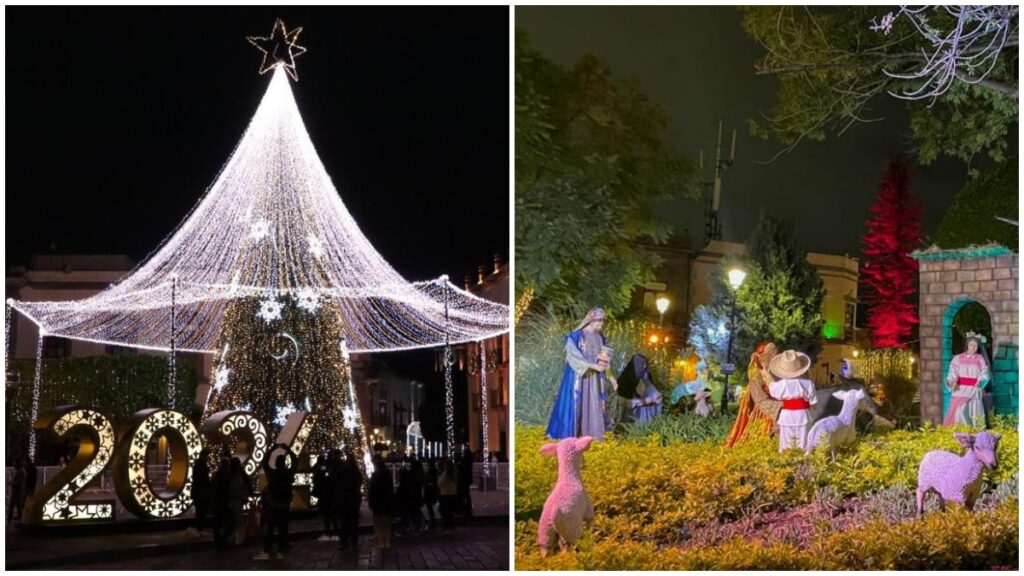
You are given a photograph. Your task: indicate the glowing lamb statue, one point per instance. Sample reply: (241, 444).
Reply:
(957, 478)
(568, 508)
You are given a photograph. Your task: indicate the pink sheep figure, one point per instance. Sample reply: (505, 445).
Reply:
(568, 507)
(957, 478)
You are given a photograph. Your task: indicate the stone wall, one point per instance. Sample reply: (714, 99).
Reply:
(948, 281)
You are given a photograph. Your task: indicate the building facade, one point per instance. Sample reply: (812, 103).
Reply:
(683, 279)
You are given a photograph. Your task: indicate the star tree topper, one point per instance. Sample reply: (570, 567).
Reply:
(279, 49)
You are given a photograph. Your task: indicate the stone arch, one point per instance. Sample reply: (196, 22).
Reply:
(949, 279)
(947, 340)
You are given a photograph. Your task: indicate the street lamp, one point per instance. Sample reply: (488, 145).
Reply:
(736, 277)
(662, 305)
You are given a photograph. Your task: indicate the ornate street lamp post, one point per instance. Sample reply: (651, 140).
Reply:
(736, 277)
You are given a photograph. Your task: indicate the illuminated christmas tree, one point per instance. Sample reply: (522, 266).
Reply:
(888, 271)
(281, 355)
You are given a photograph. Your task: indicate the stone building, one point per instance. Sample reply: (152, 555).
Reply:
(949, 280)
(494, 370)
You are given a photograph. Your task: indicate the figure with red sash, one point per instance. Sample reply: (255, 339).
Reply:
(797, 396)
(966, 380)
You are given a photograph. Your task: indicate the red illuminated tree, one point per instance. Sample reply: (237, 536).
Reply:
(889, 271)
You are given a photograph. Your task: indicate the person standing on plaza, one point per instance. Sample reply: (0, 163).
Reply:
(31, 477)
(278, 499)
(431, 491)
(448, 485)
(201, 490)
(418, 480)
(381, 498)
(17, 498)
(220, 503)
(324, 493)
(465, 502)
(348, 486)
(238, 493)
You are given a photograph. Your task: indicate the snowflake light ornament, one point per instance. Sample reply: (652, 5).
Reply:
(220, 378)
(259, 230)
(316, 248)
(270, 310)
(308, 299)
(348, 416)
(283, 412)
(244, 407)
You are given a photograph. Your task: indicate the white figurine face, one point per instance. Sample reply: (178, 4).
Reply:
(845, 370)
(972, 347)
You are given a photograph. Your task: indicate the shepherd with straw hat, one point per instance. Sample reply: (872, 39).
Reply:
(797, 396)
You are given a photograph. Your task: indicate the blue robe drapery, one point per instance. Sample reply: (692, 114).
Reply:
(565, 415)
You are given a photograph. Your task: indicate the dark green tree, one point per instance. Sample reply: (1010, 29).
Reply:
(267, 361)
(779, 300)
(591, 167)
(835, 65)
(971, 220)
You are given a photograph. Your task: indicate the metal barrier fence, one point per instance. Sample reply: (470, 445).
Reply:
(157, 475)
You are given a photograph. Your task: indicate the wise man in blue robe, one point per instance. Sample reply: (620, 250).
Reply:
(580, 406)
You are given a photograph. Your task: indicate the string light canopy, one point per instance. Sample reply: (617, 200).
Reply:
(273, 227)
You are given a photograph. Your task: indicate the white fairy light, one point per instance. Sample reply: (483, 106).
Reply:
(483, 407)
(308, 299)
(274, 170)
(316, 248)
(220, 378)
(270, 310)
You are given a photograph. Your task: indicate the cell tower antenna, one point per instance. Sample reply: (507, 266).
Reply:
(712, 222)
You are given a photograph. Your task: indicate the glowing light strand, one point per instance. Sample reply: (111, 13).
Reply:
(276, 171)
(35, 396)
(483, 407)
(449, 395)
(173, 360)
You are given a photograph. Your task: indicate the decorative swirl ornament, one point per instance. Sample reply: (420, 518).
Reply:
(284, 354)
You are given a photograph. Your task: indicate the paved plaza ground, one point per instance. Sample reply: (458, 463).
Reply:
(467, 548)
(478, 543)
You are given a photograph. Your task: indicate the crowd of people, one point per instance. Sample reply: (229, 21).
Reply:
(337, 490)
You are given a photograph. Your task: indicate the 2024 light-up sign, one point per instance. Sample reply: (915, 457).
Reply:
(56, 501)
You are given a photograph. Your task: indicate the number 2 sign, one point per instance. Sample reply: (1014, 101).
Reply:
(62, 499)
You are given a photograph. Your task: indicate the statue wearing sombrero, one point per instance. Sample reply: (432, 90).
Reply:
(580, 406)
(796, 394)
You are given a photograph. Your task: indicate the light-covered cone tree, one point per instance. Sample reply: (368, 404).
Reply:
(277, 356)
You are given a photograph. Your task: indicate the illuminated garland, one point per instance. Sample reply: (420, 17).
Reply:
(449, 393)
(34, 416)
(271, 226)
(483, 406)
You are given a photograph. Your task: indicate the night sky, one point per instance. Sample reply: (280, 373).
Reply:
(118, 119)
(698, 63)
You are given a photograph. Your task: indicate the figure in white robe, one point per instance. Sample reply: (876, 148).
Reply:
(966, 380)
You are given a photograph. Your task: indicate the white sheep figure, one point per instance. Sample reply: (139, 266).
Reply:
(840, 428)
(957, 478)
(568, 507)
(704, 407)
